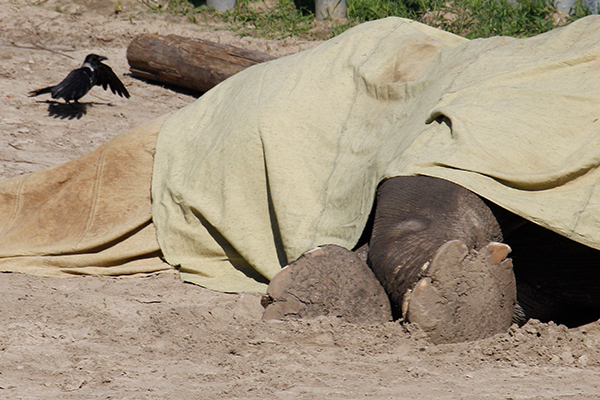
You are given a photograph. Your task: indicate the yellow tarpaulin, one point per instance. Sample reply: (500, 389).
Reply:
(287, 155)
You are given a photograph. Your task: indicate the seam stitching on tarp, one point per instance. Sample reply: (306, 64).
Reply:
(95, 190)
(17, 205)
(581, 210)
(341, 133)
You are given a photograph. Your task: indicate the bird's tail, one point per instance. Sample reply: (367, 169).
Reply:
(37, 92)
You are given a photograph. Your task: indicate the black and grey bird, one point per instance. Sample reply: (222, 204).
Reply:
(81, 80)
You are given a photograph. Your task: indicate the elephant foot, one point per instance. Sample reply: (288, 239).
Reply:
(463, 295)
(327, 281)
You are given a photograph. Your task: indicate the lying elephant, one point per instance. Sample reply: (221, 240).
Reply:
(277, 161)
(438, 251)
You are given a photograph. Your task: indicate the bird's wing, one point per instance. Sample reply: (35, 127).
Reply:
(106, 77)
(74, 86)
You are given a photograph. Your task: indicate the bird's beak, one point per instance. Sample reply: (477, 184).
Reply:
(102, 58)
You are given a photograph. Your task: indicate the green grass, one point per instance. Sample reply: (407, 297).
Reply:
(285, 18)
(484, 18)
(182, 7)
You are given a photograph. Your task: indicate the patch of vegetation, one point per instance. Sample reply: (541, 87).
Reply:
(282, 19)
(484, 18)
(276, 19)
(182, 7)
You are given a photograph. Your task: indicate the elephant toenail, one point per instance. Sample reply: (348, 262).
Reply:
(497, 252)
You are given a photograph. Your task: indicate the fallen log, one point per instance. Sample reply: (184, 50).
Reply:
(191, 63)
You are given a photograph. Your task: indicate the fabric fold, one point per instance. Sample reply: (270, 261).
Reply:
(89, 216)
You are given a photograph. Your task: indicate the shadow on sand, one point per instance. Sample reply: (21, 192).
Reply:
(70, 110)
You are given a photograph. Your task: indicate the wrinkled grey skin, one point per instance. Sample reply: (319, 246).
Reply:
(556, 279)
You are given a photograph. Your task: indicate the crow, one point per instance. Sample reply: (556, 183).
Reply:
(81, 80)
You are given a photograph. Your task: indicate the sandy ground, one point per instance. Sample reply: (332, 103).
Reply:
(153, 337)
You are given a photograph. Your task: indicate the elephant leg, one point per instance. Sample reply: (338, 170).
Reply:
(434, 248)
(557, 278)
(327, 281)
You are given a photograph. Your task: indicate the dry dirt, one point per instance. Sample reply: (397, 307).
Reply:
(154, 337)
